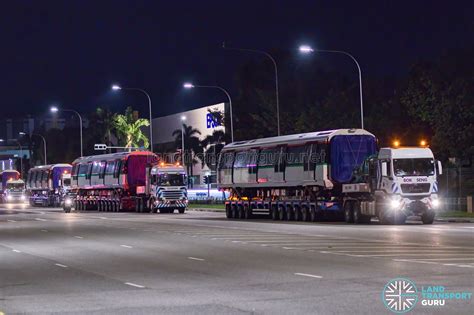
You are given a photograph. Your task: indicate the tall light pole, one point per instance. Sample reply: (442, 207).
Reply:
(307, 49)
(55, 109)
(183, 119)
(118, 87)
(44, 144)
(191, 86)
(276, 77)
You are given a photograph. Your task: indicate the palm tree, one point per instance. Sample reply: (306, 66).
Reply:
(213, 144)
(129, 127)
(106, 118)
(192, 146)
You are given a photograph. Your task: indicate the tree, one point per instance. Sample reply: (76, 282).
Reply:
(192, 146)
(129, 128)
(212, 146)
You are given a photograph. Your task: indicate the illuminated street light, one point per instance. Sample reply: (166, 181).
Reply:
(116, 87)
(188, 85)
(55, 109)
(305, 49)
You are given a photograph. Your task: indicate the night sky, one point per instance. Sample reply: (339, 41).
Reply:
(70, 52)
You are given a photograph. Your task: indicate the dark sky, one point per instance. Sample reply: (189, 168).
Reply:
(70, 52)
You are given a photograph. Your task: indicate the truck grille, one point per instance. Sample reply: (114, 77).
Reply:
(415, 188)
(171, 194)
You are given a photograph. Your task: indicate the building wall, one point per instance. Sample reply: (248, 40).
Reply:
(163, 128)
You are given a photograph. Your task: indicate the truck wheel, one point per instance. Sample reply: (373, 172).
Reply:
(274, 213)
(358, 216)
(281, 213)
(240, 212)
(235, 212)
(181, 210)
(305, 215)
(228, 211)
(290, 214)
(298, 214)
(348, 212)
(428, 217)
(247, 212)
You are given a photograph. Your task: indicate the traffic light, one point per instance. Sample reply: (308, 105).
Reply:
(207, 179)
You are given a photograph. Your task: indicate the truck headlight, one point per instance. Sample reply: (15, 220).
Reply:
(435, 203)
(68, 202)
(23, 198)
(395, 203)
(9, 197)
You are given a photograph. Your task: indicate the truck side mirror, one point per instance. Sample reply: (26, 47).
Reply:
(384, 169)
(440, 168)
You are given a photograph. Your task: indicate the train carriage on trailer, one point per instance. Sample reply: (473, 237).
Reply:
(292, 177)
(47, 184)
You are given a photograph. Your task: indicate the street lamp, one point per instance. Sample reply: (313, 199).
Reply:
(55, 109)
(44, 144)
(305, 49)
(188, 85)
(276, 77)
(116, 87)
(183, 118)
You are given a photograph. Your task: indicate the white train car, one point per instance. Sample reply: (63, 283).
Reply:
(292, 171)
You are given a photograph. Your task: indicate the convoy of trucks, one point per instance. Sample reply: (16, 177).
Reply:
(128, 181)
(328, 174)
(334, 174)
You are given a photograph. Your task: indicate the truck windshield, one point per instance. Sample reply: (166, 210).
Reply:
(413, 167)
(16, 186)
(171, 179)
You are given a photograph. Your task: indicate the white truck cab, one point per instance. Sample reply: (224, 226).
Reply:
(395, 184)
(168, 188)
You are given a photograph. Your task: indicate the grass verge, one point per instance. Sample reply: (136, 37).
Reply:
(455, 214)
(206, 206)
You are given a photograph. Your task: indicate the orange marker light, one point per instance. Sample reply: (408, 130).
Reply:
(422, 143)
(396, 143)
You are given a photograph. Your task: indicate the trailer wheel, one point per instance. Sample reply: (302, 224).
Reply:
(181, 210)
(240, 212)
(290, 213)
(305, 215)
(228, 211)
(359, 218)
(281, 213)
(348, 212)
(274, 212)
(235, 212)
(428, 217)
(297, 213)
(247, 212)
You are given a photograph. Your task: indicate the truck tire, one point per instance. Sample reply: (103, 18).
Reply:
(298, 214)
(359, 218)
(181, 210)
(428, 217)
(281, 213)
(240, 209)
(274, 212)
(348, 212)
(290, 213)
(305, 215)
(228, 211)
(247, 212)
(235, 212)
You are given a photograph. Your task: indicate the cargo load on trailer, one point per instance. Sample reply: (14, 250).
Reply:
(47, 184)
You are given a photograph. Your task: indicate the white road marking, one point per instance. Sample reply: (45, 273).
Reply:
(126, 246)
(195, 258)
(16, 251)
(457, 258)
(134, 285)
(457, 265)
(11, 220)
(61, 265)
(39, 219)
(44, 230)
(308, 275)
(79, 237)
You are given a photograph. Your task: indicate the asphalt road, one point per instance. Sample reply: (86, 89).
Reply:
(199, 262)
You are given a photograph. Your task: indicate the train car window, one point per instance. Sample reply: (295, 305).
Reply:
(89, 170)
(252, 161)
(103, 167)
(118, 168)
(318, 155)
(95, 168)
(75, 171)
(241, 159)
(226, 160)
(296, 155)
(280, 160)
(109, 169)
(267, 158)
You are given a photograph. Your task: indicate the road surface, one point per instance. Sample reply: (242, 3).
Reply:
(199, 262)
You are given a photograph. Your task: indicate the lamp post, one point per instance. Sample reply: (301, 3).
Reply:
(55, 109)
(44, 144)
(276, 77)
(183, 118)
(305, 49)
(116, 87)
(191, 86)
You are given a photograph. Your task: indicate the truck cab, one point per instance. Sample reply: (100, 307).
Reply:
(397, 183)
(15, 191)
(168, 188)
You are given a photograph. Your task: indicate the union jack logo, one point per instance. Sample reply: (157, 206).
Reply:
(400, 295)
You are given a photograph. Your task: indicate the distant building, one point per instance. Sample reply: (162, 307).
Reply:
(201, 119)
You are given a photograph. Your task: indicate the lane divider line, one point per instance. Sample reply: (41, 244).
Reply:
(61, 265)
(16, 251)
(126, 246)
(308, 275)
(195, 258)
(79, 237)
(134, 285)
